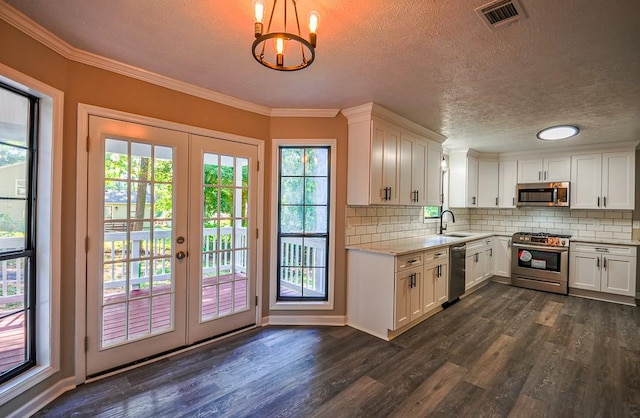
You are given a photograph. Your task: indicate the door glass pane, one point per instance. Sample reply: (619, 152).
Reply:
(137, 272)
(224, 260)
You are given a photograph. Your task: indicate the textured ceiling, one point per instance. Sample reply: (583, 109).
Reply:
(431, 61)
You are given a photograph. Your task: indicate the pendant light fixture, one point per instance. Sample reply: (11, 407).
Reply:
(282, 50)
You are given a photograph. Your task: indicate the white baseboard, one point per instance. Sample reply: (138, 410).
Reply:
(326, 320)
(42, 400)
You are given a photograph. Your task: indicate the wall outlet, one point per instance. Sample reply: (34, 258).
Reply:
(636, 224)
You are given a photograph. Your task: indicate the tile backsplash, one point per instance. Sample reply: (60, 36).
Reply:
(366, 224)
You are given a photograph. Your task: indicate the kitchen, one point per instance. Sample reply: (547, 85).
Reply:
(487, 91)
(569, 235)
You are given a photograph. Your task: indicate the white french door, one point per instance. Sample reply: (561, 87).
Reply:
(171, 253)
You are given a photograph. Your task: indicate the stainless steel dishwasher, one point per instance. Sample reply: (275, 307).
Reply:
(456, 277)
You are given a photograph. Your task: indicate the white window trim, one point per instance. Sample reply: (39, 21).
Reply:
(274, 304)
(48, 241)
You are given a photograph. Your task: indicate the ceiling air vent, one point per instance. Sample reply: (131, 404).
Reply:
(501, 13)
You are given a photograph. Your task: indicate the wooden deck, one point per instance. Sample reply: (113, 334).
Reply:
(12, 350)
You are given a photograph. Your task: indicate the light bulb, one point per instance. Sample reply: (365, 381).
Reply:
(258, 8)
(314, 19)
(279, 45)
(279, 51)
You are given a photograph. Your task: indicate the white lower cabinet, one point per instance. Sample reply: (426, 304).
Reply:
(386, 293)
(502, 256)
(603, 268)
(479, 262)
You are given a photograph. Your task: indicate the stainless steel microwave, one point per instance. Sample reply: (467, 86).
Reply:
(543, 194)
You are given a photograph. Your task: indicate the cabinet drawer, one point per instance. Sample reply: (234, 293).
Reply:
(439, 254)
(475, 246)
(603, 249)
(409, 261)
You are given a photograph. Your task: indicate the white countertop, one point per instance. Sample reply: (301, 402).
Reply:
(427, 242)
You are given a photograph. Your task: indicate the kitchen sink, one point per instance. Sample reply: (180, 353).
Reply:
(457, 235)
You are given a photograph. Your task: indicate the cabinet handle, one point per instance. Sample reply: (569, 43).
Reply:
(490, 252)
(602, 250)
(513, 201)
(545, 175)
(473, 200)
(598, 263)
(604, 263)
(417, 195)
(509, 243)
(598, 201)
(412, 261)
(475, 259)
(604, 199)
(539, 175)
(496, 201)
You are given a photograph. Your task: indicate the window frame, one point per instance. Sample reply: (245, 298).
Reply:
(28, 253)
(48, 220)
(307, 303)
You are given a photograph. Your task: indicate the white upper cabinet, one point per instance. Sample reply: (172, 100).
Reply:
(537, 170)
(434, 175)
(388, 159)
(603, 181)
(507, 180)
(463, 180)
(413, 170)
(488, 184)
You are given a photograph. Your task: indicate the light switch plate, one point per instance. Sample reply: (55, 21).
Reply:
(636, 224)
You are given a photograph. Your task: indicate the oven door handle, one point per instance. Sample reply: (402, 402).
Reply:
(541, 248)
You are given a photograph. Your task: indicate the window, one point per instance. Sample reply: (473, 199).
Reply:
(303, 223)
(18, 121)
(303, 218)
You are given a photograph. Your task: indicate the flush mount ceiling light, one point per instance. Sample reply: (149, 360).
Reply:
(269, 48)
(555, 133)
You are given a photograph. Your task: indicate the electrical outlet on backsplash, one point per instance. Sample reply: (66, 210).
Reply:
(367, 224)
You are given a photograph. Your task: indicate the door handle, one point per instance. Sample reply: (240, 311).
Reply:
(180, 255)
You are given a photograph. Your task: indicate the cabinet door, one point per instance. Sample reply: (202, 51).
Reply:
(473, 266)
(556, 169)
(502, 257)
(619, 275)
(402, 314)
(472, 182)
(487, 266)
(584, 271)
(618, 180)
(406, 170)
(488, 184)
(429, 288)
(586, 178)
(384, 164)
(434, 175)
(419, 172)
(415, 294)
(507, 180)
(442, 284)
(530, 171)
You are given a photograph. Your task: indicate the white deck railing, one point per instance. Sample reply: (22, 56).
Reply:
(293, 255)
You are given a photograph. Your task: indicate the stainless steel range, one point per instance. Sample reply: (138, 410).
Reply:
(540, 261)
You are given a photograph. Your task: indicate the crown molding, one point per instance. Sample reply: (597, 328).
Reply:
(304, 113)
(26, 25)
(366, 111)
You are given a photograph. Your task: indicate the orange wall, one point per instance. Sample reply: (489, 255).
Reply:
(85, 84)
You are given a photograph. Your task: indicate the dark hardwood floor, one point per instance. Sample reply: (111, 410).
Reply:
(502, 351)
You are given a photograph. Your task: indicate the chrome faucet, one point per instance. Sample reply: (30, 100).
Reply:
(453, 218)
